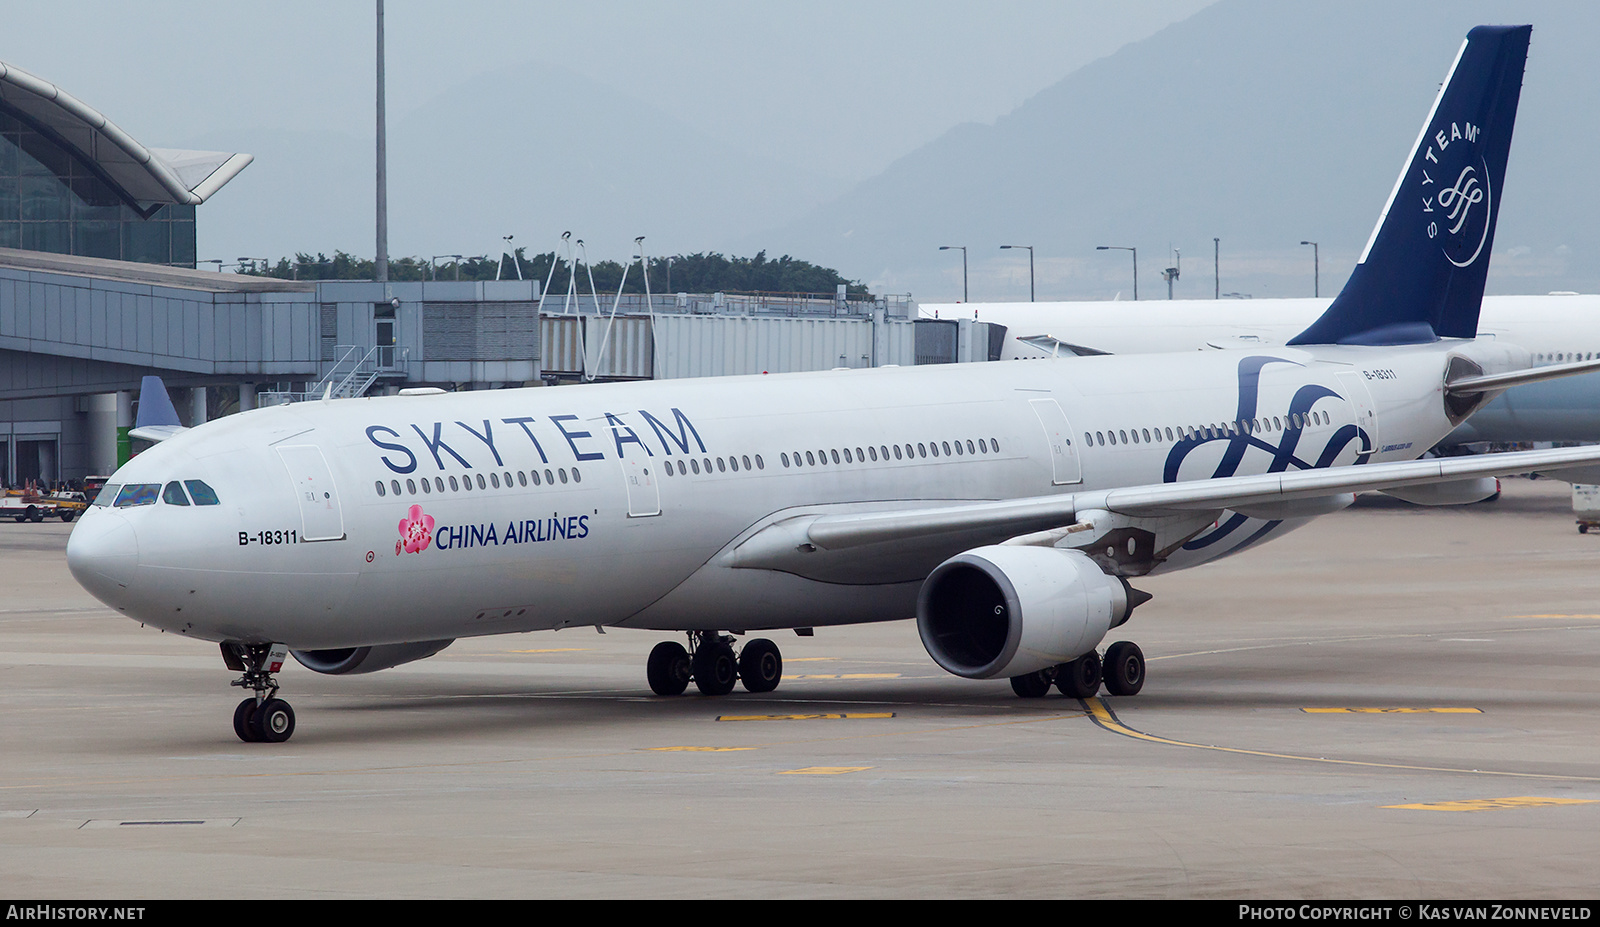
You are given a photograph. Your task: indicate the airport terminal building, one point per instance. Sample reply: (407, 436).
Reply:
(99, 288)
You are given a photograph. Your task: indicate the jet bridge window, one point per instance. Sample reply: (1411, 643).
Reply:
(138, 494)
(174, 494)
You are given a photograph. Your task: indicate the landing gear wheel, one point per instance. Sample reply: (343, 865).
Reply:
(1124, 668)
(264, 718)
(1079, 678)
(668, 668)
(1033, 685)
(760, 665)
(273, 722)
(241, 720)
(715, 671)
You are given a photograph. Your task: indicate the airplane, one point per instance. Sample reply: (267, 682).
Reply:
(1008, 507)
(1556, 328)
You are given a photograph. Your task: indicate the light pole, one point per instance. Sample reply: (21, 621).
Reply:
(1216, 266)
(380, 263)
(1030, 266)
(963, 250)
(1316, 269)
(1135, 264)
(505, 250)
(456, 257)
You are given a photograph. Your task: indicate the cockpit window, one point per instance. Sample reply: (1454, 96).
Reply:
(107, 494)
(173, 494)
(201, 493)
(138, 494)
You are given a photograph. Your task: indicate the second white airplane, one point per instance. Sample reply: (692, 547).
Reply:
(1006, 506)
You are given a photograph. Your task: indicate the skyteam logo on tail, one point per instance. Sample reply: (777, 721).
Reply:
(1457, 192)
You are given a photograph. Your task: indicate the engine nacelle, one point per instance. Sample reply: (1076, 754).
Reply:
(347, 661)
(1007, 611)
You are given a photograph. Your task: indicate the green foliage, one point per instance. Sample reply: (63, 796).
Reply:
(691, 273)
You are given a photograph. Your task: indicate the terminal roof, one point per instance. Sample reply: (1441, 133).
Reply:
(147, 177)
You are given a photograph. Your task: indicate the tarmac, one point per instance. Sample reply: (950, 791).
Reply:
(1391, 703)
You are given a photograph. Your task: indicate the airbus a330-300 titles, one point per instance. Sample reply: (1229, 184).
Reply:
(1008, 507)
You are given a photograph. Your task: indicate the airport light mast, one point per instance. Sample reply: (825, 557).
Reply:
(1316, 269)
(1135, 264)
(1030, 266)
(963, 250)
(381, 261)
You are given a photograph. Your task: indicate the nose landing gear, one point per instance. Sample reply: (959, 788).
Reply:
(262, 718)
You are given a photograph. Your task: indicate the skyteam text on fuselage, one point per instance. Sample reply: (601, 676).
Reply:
(1008, 507)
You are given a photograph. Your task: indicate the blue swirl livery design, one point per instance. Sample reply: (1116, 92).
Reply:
(1285, 454)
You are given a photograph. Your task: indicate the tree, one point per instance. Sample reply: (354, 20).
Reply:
(691, 273)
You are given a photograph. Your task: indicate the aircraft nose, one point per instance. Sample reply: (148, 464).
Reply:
(103, 555)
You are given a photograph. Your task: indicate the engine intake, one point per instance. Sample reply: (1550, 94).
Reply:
(347, 661)
(1005, 611)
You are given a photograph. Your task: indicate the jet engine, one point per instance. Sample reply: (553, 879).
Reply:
(1010, 610)
(353, 660)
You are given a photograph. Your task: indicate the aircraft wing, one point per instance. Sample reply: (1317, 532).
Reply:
(838, 532)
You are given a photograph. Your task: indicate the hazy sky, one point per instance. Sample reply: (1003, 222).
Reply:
(877, 78)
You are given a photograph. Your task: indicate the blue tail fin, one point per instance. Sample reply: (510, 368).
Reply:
(1421, 275)
(155, 406)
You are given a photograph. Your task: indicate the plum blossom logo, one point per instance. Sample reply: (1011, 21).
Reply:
(416, 532)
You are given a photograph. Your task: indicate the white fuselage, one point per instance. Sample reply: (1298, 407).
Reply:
(349, 522)
(1552, 329)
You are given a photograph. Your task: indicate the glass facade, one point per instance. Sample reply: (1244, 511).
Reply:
(50, 200)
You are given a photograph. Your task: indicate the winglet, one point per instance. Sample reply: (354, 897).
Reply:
(158, 418)
(1421, 275)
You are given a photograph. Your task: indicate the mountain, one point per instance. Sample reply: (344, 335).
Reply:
(1258, 122)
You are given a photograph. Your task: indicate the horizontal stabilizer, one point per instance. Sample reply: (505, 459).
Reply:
(1498, 381)
(1058, 348)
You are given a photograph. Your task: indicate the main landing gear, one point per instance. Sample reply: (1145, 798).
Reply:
(710, 663)
(1122, 672)
(262, 718)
